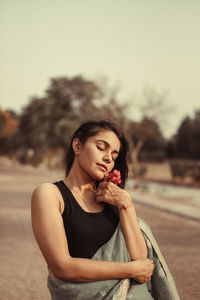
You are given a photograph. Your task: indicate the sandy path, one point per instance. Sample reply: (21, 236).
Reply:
(23, 269)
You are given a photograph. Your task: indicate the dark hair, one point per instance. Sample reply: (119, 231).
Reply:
(91, 128)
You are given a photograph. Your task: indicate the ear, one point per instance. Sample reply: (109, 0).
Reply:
(76, 145)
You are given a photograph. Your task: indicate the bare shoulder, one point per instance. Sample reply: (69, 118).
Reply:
(46, 192)
(44, 188)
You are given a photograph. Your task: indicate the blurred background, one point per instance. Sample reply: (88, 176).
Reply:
(132, 62)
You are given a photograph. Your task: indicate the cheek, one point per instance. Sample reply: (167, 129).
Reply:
(89, 156)
(88, 161)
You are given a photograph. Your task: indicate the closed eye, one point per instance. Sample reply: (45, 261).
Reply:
(100, 148)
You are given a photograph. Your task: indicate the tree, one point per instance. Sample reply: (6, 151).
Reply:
(145, 141)
(187, 139)
(146, 135)
(154, 106)
(8, 127)
(49, 121)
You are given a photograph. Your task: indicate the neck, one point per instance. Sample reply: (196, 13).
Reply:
(77, 179)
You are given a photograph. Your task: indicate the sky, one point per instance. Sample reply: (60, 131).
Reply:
(134, 43)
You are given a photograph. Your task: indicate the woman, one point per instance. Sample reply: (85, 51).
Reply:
(87, 228)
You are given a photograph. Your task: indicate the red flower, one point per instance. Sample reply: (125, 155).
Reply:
(114, 177)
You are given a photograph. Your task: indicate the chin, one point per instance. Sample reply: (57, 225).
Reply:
(99, 176)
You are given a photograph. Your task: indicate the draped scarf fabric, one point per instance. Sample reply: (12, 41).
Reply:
(160, 287)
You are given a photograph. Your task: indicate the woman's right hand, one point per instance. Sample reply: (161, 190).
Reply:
(142, 269)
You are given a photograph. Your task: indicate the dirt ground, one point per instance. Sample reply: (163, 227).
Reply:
(23, 269)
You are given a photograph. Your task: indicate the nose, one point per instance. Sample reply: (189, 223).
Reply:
(107, 158)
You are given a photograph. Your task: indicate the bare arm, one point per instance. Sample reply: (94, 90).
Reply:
(114, 195)
(134, 239)
(49, 232)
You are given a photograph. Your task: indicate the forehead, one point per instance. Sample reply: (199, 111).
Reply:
(108, 136)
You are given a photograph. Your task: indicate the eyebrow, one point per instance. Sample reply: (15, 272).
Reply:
(107, 144)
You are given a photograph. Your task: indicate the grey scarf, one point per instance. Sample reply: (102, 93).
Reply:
(160, 287)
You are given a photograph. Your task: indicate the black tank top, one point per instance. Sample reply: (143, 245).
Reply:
(86, 232)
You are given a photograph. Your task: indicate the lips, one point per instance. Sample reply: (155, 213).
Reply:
(103, 167)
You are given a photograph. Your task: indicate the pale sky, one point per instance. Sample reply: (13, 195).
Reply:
(135, 42)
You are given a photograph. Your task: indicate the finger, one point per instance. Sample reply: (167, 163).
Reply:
(148, 278)
(145, 280)
(99, 192)
(140, 280)
(152, 261)
(100, 198)
(103, 183)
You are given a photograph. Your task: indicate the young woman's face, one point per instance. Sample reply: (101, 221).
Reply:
(97, 156)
